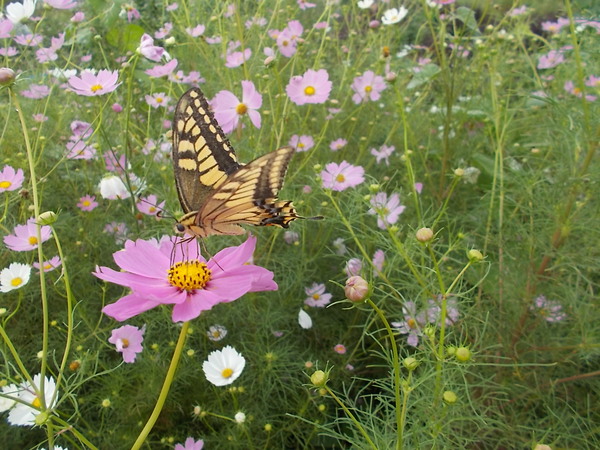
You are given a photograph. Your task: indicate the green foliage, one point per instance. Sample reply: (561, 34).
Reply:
(507, 158)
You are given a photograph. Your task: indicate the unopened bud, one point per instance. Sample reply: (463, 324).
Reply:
(356, 289)
(410, 363)
(47, 218)
(449, 397)
(463, 354)
(424, 234)
(474, 255)
(319, 378)
(7, 76)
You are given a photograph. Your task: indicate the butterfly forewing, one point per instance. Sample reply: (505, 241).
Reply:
(202, 156)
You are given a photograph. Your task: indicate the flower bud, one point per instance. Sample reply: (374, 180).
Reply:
(463, 354)
(7, 76)
(410, 363)
(319, 378)
(47, 218)
(41, 418)
(449, 397)
(356, 289)
(268, 60)
(474, 255)
(268, 427)
(459, 172)
(424, 235)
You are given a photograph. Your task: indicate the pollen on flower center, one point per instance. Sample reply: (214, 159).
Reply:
(124, 342)
(340, 178)
(368, 89)
(189, 275)
(33, 240)
(227, 372)
(5, 184)
(316, 296)
(16, 281)
(412, 323)
(95, 88)
(309, 90)
(241, 109)
(36, 403)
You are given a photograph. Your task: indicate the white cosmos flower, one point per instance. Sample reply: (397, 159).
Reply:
(16, 12)
(240, 417)
(14, 276)
(11, 391)
(24, 414)
(223, 367)
(304, 320)
(394, 15)
(112, 188)
(364, 4)
(216, 332)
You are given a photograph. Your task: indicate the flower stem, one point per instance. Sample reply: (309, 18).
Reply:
(164, 392)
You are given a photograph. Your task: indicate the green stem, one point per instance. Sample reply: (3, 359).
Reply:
(68, 427)
(164, 392)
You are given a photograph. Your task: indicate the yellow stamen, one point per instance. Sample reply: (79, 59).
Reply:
(316, 296)
(412, 323)
(33, 240)
(368, 89)
(309, 90)
(189, 275)
(16, 281)
(241, 109)
(227, 373)
(36, 403)
(96, 87)
(125, 342)
(340, 178)
(5, 184)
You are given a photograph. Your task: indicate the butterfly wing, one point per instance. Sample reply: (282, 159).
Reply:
(248, 196)
(203, 157)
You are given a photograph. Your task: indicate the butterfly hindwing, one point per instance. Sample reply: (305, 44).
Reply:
(216, 192)
(203, 157)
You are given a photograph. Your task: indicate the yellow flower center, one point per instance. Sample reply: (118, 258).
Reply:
(189, 275)
(125, 342)
(159, 99)
(5, 184)
(96, 87)
(340, 178)
(300, 145)
(368, 89)
(241, 109)
(152, 209)
(227, 373)
(576, 91)
(216, 334)
(86, 203)
(316, 296)
(33, 240)
(36, 403)
(309, 90)
(47, 266)
(412, 324)
(16, 281)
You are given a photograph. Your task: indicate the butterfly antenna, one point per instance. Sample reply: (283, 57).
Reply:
(210, 256)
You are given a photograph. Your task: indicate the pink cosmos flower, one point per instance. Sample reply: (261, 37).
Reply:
(29, 40)
(312, 87)
(573, 90)
(302, 143)
(387, 210)
(9, 52)
(418, 187)
(149, 50)
(131, 12)
(552, 59)
(551, 310)
(49, 265)
(40, 118)
(164, 31)
(593, 81)
(339, 177)
(190, 444)
(11, 179)
(172, 7)
(228, 109)
(36, 91)
(378, 262)
(118, 230)
(317, 296)
(353, 267)
(160, 71)
(338, 144)
(25, 236)
(87, 203)
(383, 154)
(236, 59)
(158, 99)
(78, 17)
(61, 4)
(91, 85)
(340, 349)
(367, 87)
(555, 27)
(150, 206)
(6, 27)
(128, 340)
(198, 30)
(190, 285)
(412, 324)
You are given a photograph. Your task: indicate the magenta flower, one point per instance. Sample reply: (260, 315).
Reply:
(383, 154)
(11, 179)
(128, 340)
(6, 27)
(190, 444)
(552, 59)
(149, 50)
(387, 210)
(367, 87)
(342, 176)
(162, 70)
(340, 349)
(190, 285)
(550, 310)
(150, 206)
(302, 143)
(236, 59)
(312, 87)
(158, 99)
(317, 296)
(229, 110)
(338, 144)
(49, 265)
(87, 203)
(25, 236)
(91, 85)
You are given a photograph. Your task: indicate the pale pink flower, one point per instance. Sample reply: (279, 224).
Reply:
(302, 143)
(36, 91)
(162, 70)
(150, 206)
(89, 84)
(198, 30)
(61, 4)
(236, 59)
(339, 177)
(190, 444)
(338, 144)
(11, 179)
(383, 154)
(128, 341)
(316, 295)
(387, 210)
(552, 59)
(340, 349)
(550, 310)
(378, 262)
(49, 265)
(157, 100)
(367, 87)
(87, 203)
(164, 31)
(25, 236)
(312, 87)
(228, 110)
(149, 50)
